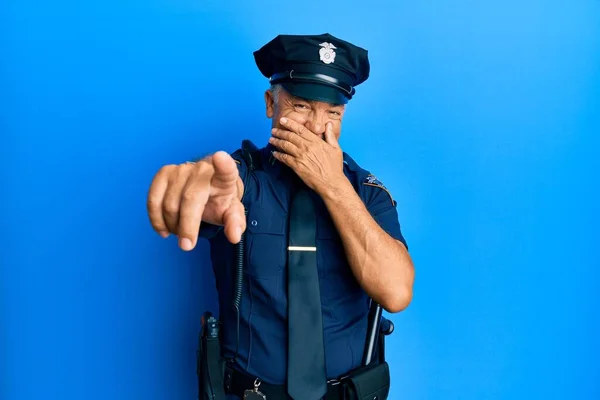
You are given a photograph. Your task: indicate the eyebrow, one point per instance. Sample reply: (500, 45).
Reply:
(311, 102)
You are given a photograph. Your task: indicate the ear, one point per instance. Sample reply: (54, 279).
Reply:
(269, 103)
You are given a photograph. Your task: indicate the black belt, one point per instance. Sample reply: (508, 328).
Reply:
(236, 382)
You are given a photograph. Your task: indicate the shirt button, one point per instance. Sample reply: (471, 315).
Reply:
(254, 222)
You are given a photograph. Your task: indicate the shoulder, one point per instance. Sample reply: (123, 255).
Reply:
(248, 155)
(366, 183)
(243, 157)
(237, 156)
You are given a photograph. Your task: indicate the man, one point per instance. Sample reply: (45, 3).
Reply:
(302, 318)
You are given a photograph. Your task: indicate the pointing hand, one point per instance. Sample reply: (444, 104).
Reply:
(182, 196)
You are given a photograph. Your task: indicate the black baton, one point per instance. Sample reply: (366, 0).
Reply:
(373, 327)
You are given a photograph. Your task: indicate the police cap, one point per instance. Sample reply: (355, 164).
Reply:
(314, 67)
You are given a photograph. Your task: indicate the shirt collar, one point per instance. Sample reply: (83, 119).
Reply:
(274, 166)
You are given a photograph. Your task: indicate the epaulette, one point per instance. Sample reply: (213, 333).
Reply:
(371, 180)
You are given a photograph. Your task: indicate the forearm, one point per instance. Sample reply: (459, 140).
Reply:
(380, 263)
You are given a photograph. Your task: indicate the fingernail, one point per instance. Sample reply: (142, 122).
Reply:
(271, 139)
(238, 232)
(284, 120)
(163, 234)
(185, 244)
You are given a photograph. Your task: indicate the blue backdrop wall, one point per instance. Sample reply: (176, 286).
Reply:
(481, 117)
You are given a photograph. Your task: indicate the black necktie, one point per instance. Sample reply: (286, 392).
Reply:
(306, 377)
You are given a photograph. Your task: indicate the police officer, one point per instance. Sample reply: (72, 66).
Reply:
(321, 234)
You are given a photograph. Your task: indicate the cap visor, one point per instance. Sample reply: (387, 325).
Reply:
(316, 92)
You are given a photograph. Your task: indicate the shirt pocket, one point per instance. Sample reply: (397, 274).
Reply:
(330, 250)
(265, 242)
(338, 282)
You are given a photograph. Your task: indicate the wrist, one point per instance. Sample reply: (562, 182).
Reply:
(336, 189)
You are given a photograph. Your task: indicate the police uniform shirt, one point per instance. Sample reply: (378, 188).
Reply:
(263, 326)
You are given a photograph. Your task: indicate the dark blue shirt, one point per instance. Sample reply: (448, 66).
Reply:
(263, 344)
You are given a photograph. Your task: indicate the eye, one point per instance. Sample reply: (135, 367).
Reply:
(334, 114)
(301, 106)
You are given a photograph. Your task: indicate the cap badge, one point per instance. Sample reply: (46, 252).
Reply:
(326, 52)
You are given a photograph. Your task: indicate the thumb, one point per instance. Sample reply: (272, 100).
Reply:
(330, 136)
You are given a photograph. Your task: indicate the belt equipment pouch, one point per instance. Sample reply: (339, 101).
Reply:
(368, 383)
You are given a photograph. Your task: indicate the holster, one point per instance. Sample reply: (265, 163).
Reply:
(210, 366)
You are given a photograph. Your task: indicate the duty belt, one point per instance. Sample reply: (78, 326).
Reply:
(236, 382)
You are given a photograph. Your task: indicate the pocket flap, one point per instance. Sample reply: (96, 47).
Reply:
(264, 220)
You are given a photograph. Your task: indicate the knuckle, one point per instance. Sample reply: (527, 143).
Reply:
(189, 195)
(203, 171)
(158, 226)
(202, 164)
(188, 170)
(166, 170)
(153, 203)
(186, 167)
(162, 175)
(171, 207)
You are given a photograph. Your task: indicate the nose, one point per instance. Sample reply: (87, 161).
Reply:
(316, 123)
(317, 128)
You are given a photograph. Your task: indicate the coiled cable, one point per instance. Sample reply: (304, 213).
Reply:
(237, 286)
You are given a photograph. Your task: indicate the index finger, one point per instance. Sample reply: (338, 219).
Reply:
(298, 128)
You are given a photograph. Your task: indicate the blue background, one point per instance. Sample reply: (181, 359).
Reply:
(482, 118)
